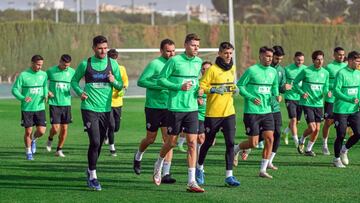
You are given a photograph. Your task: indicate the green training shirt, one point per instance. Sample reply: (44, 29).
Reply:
(59, 85)
(156, 95)
(333, 68)
(275, 105)
(34, 85)
(258, 82)
(178, 70)
(315, 82)
(99, 94)
(346, 90)
(291, 71)
(202, 109)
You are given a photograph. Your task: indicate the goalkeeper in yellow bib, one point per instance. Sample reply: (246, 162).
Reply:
(218, 84)
(116, 105)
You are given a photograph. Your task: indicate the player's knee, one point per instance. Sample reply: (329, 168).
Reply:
(192, 144)
(41, 131)
(54, 130)
(253, 143)
(151, 140)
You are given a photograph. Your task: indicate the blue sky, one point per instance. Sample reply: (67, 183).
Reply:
(177, 5)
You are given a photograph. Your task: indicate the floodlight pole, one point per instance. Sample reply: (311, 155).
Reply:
(188, 18)
(56, 15)
(78, 11)
(82, 19)
(232, 30)
(32, 9)
(97, 12)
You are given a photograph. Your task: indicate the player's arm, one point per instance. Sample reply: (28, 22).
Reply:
(46, 88)
(327, 91)
(296, 82)
(146, 79)
(16, 89)
(241, 84)
(79, 73)
(338, 84)
(115, 75)
(165, 74)
(275, 86)
(205, 81)
(124, 77)
(282, 83)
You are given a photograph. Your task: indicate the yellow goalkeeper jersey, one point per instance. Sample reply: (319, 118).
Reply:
(117, 96)
(219, 105)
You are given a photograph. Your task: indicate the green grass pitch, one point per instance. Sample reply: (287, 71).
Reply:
(53, 179)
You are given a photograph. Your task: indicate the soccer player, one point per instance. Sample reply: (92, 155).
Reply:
(116, 105)
(292, 98)
(60, 101)
(315, 85)
(101, 75)
(218, 84)
(180, 77)
(332, 68)
(257, 85)
(31, 89)
(156, 108)
(346, 108)
(202, 109)
(275, 105)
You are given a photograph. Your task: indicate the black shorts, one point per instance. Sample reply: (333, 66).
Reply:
(156, 118)
(294, 109)
(342, 121)
(201, 129)
(328, 110)
(225, 124)
(95, 123)
(33, 118)
(313, 114)
(115, 118)
(186, 122)
(256, 123)
(60, 114)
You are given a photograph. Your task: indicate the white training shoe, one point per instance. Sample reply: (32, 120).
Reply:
(157, 176)
(59, 153)
(344, 158)
(48, 146)
(265, 175)
(325, 150)
(338, 164)
(106, 140)
(236, 158)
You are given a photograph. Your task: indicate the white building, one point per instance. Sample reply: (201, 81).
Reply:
(50, 4)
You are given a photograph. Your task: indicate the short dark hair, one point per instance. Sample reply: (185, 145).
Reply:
(316, 54)
(191, 36)
(278, 50)
(225, 45)
(298, 53)
(338, 49)
(206, 62)
(99, 40)
(36, 58)
(66, 58)
(165, 42)
(112, 53)
(264, 49)
(353, 55)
